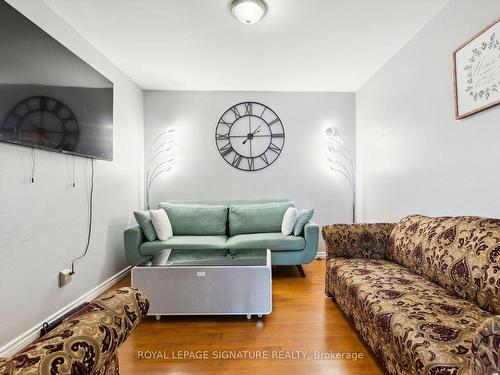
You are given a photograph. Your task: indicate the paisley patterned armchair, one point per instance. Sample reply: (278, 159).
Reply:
(423, 293)
(85, 343)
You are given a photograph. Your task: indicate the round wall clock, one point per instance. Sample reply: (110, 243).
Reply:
(44, 122)
(250, 136)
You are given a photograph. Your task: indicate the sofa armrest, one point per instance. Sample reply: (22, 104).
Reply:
(311, 236)
(86, 343)
(486, 348)
(133, 238)
(356, 240)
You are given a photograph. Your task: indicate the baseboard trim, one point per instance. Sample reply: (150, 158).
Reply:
(321, 255)
(33, 333)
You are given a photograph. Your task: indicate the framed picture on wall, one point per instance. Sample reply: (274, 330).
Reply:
(476, 69)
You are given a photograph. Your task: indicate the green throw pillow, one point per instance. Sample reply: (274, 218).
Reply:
(144, 220)
(302, 219)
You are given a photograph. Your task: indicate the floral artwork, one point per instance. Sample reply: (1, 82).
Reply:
(477, 72)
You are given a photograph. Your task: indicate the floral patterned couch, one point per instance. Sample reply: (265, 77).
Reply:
(423, 293)
(86, 342)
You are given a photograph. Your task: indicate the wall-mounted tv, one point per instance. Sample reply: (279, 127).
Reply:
(49, 97)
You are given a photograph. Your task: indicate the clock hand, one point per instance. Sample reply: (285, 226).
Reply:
(256, 130)
(249, 129)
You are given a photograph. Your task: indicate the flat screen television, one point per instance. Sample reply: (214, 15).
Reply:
(49, 97)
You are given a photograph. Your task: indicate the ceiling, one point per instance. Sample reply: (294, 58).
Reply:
(299, 45)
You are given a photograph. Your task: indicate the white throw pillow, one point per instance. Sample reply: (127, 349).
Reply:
(289, 220)
(162, 225)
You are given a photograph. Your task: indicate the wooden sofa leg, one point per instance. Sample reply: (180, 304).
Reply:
(301, 270)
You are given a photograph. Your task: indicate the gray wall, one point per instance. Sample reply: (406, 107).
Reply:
(300, 173)
(413, 157)
(43, 225)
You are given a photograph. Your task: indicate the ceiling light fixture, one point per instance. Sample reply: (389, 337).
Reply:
(248, 11)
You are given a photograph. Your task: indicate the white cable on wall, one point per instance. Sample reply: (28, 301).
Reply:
(91, 215)
(73, 182)
(33, 165)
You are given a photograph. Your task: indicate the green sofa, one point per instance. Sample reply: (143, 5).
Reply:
(230, 225)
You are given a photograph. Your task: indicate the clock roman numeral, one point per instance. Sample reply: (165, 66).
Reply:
(236, 160)
(248, 109)
(221, 137)
(264, 158)
(57, 107)
(274, 121)
(71, 117)
(251, 164)
(226, 149)
(274, 148)
(224, 122)
(42, 102)
(236, 113)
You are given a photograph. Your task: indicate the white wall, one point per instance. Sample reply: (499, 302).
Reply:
(413, 157)
(44, 225)
(300, 173)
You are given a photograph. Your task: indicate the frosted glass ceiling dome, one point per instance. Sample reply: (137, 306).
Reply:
(248, 11)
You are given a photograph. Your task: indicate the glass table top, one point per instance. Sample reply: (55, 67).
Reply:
(204, 257)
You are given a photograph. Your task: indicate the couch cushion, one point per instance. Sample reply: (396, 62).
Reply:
(272, 241)
(412, 325)
(196, 219)
(462, 254)
(184, 242)
(257, 218)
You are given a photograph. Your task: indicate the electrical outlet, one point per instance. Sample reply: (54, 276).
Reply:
(64, 277)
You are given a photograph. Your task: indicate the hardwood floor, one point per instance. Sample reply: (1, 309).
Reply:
(303, 321)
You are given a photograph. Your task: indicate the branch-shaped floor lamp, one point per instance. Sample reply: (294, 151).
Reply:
(160, 160)
(340, 161)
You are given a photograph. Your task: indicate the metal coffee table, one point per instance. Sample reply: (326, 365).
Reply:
(207, 282)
